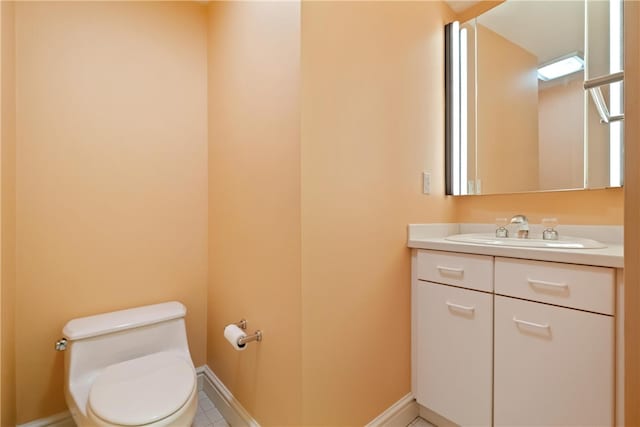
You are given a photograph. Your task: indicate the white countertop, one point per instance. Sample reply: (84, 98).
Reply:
(432, 236)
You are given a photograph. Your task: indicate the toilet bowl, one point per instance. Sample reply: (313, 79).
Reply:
(130, 368)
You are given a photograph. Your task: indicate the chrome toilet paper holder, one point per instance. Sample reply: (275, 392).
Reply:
(242, 324)
(256, 336)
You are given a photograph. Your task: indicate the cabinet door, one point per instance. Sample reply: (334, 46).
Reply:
(455, 346)
(553, 366)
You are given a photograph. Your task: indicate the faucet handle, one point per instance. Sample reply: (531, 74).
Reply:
(501, 230)
(549, 225)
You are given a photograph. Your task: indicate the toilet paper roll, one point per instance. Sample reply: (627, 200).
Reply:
(232, 333)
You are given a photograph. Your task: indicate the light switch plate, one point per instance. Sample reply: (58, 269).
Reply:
(426, 183)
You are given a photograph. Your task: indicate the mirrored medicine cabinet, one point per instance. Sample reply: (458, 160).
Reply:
(534, 98)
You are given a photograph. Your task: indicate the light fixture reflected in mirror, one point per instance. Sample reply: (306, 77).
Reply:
(455, 120)
(561, 67)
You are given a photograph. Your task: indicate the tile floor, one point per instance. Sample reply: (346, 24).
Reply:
(419, 422)
(208, 415)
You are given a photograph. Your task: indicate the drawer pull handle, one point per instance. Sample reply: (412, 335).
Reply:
(534, 325)
(461, 307)
(534, 282)
(450, 270)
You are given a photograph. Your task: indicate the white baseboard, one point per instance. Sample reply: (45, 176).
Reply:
(62, 419)
(400, 414)
(230, 408)
(200, 377)
(434, 418)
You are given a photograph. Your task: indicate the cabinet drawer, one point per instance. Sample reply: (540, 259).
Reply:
(464, 270)
(553, 366)
(454, 353)
(577, 286)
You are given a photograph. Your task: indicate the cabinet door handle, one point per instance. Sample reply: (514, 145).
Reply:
(461, 307)
(534, 282)
(450, 270)
(534, 325)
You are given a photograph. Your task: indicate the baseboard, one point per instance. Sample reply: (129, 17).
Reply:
(200, 377)
(435, 418)
(230, 408)
(62, 419)
(400, 414)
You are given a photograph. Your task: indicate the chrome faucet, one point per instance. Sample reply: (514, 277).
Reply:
(523, 225)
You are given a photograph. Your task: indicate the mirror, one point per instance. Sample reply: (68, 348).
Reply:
(534, 98)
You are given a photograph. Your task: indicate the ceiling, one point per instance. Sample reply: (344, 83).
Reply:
(546, 29)
(460, 5)
(549, 29)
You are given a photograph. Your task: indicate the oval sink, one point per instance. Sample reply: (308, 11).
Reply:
(565, 242)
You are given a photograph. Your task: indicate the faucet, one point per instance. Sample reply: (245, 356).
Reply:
(523, 225)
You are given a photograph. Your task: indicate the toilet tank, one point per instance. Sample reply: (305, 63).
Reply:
(96, 342)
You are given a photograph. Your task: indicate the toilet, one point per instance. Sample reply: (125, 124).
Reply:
(130, 368)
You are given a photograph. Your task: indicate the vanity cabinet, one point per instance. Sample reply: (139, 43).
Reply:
(454, 335)
(553, 366)
(455, 328)
(462, 270)
(507, 342)
(581, 287)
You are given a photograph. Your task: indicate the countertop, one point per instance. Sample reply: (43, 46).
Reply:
(611, 256)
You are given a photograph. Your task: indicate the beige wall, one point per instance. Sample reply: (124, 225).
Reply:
(597, 145)
(254, 209)
(372, 121)
(7, 217)
(111, 174)
(561, 135)
(632, 213)
(313, 175)
(561, 128)
(507, 108)
(570, 207)
(363, 151)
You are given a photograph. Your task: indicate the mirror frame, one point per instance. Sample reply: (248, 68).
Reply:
(456, 182)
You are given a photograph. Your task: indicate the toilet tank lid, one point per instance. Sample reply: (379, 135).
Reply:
(115, 321)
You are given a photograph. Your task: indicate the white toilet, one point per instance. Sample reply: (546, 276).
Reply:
(130, 368)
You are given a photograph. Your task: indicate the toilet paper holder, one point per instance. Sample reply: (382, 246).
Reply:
(257, 335)
(242, 324)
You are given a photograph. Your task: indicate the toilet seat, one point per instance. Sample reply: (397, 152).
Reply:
(143, 390)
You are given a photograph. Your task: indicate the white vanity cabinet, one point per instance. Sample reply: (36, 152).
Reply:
(554, 364)
(454, 336)
(513, 342)
(455, 328)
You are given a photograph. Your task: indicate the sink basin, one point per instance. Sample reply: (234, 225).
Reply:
(565, 242)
